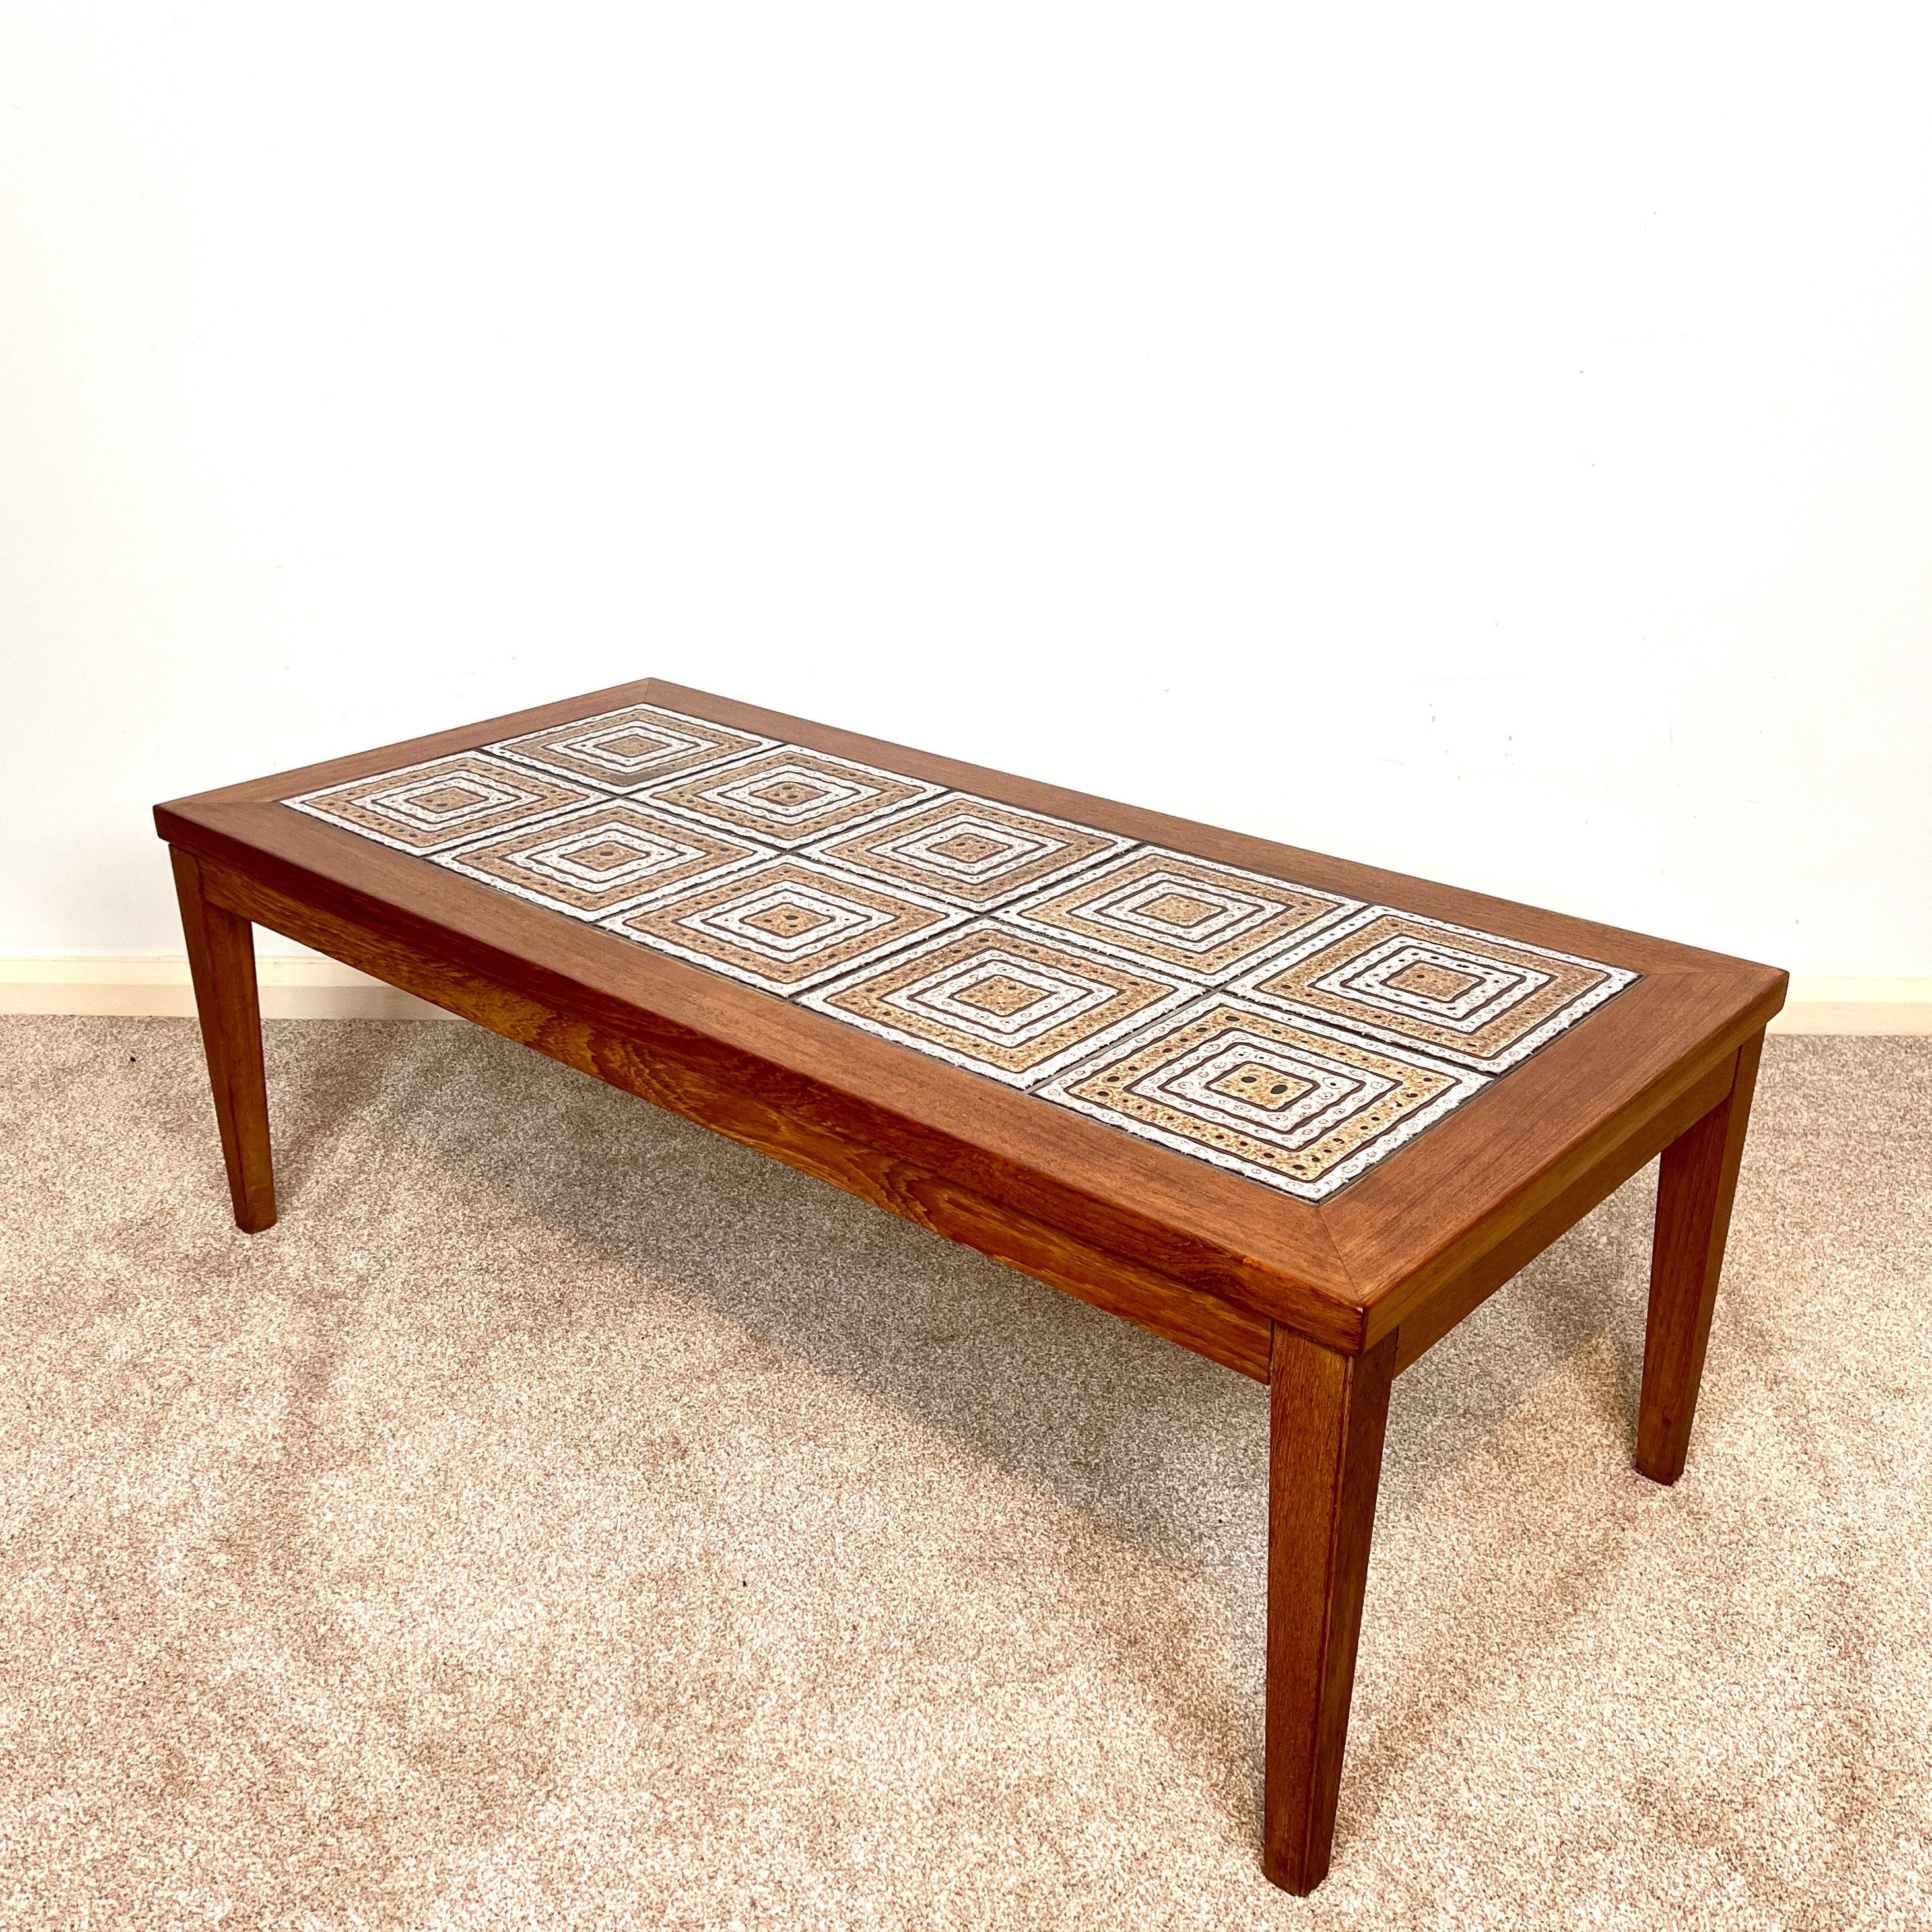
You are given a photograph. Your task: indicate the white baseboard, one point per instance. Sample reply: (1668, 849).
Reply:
(323, 989)
(1822, 1003)
(292, 989)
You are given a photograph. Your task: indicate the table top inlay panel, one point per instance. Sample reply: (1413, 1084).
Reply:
(1069, 960)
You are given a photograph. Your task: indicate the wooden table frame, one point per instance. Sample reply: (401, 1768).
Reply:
(1326, 1304)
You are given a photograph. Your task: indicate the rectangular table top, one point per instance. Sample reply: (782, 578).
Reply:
(1330, 1067)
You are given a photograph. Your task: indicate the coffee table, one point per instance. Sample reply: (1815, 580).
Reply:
(1300, 1115)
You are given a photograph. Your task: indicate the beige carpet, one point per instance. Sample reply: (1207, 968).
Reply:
(564, 1518)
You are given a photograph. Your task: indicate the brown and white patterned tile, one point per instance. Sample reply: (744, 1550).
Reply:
(970, 851)
(1291, 1035)
(1468, 996)
(602, 858)
(1000, 1002)
(1300, 1106)
(789, 796)
(784, 925)
(1193, 916)
(423, 808)
(625, 750)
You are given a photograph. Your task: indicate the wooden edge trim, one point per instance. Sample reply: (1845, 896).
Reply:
(1571, 1175)
(1233, 1335)
(391, 943)
(1492, 1163)
(1426, 1321)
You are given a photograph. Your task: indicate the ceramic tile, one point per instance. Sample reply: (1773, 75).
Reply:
(425, 808)
(971, 852)
(1297, 1105)
(1000, 1002)
(1280, 1032)
(625, 750)
(785, 926)
(601, 858)
(1471, 998)
(1205, 921)
(789, 796)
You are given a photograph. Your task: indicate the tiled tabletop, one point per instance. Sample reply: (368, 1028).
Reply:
(1291, 1035)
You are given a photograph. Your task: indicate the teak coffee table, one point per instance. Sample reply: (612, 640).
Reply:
(1299, 1115)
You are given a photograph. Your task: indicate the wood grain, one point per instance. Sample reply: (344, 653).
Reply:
(1463, 1278)
(1225, 1332)
(1328, 1414)
(1465, 1186)
(1324, 1304)
(1695, 1189)
(1178, 1217)
(221, 957)
(1428, 1317)
(1344, 1273)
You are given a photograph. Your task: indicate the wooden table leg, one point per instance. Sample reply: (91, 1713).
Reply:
(221, 955)
(1696, 1185)
(1327, 1414)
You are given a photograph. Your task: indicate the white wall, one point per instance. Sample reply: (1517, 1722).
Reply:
(1496, 443)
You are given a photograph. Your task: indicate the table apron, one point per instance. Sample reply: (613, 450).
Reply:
(1426, 1324)
(1237, 1337)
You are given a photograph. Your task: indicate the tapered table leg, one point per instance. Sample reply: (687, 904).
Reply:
(1328, 1412)
(1696, 1185)
(221, 955)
